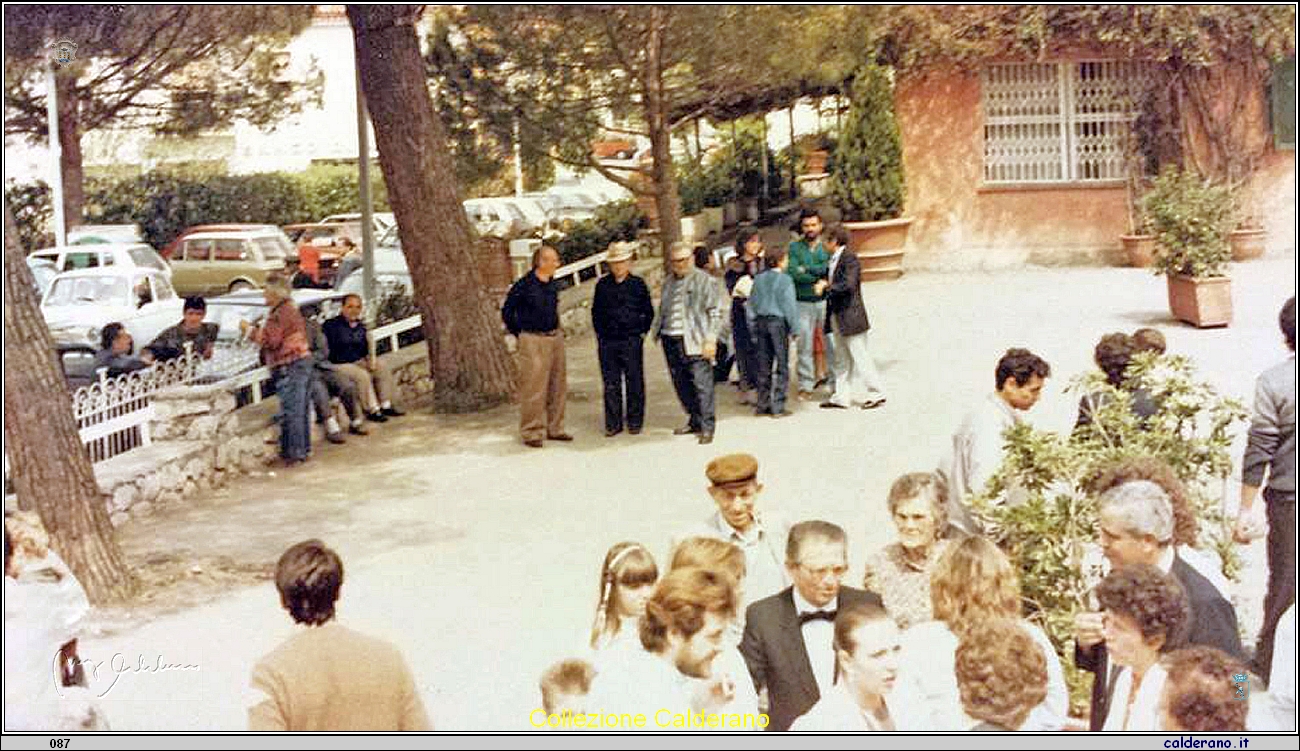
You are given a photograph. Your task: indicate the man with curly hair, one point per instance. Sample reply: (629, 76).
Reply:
(1001, 675)
(1113, 354)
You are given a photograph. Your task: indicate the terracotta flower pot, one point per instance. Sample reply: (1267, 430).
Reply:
(815, 162)
(880, 247)
(1204, 302)
(1140, 249)
(1247, 244)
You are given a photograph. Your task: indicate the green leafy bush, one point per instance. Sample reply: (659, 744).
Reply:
(32, 213)
(1192, 218)
(614, 222)
(867, 180)
(1039, 510)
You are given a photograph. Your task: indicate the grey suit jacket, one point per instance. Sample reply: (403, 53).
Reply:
(774, 651)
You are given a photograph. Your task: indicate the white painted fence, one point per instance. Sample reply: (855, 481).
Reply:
(113, 414)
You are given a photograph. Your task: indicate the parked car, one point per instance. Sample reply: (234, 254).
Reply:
(93, 234)
(89, 256)
(382, 220)
(496, 217)
(78, 362)
(613, 149)
(43, 271)
(572, 206)
(80, 303)
(210, 263)
(249, 305)
(170, 248)
(537, 222)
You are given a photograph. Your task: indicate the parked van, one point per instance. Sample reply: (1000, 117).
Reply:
(212, 263)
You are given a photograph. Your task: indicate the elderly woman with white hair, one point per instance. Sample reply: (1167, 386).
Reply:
(1136, 527)
(287, 354)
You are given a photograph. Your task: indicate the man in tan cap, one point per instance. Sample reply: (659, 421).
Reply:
(734, 485)
(690, 317)
(621, 314)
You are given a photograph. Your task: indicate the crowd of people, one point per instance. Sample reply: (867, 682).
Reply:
(746, 308)
(311, 363)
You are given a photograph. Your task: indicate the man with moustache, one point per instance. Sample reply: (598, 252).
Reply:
(810, 264)
(788, 641)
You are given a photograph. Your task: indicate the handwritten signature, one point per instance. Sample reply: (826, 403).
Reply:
(117, 665)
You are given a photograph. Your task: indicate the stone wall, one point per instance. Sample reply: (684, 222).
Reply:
(200, 441)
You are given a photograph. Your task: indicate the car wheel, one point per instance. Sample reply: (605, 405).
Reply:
(240, 285)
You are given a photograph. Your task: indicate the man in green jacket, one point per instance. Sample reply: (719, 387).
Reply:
(809, 262)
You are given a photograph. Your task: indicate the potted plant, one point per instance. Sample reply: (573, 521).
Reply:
(690, 191)
(867, 181)
(816, 149)
(1247, 240)
(1192, 217)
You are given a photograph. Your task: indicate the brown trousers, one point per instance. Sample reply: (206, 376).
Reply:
(542, 385)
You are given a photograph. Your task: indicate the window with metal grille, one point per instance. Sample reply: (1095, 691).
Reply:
(1059, 122)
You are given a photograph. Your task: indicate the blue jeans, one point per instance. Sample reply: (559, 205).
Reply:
(293, 386)
(771, 337)
(693, 381)
(812, 317)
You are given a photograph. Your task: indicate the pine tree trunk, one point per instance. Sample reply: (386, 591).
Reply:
(51, 470)
(74, 191)
(656, 115)
(468, 360)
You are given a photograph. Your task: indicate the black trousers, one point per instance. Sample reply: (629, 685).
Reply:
(771, 338)
(722, 366)
(1281, 574)
(693, 382)
(746, 356)
(622, 365)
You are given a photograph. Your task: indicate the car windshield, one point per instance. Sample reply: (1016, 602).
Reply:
(272, 248)
(88, 290)
(146, 258)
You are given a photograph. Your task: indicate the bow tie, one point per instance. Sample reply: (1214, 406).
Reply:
(817, 615)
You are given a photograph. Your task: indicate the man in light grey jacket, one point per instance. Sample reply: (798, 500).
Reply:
(1271, 446)
(691, 308)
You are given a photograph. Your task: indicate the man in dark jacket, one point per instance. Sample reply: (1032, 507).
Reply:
(788, 636)
(621, 314)
(531, 314)
(856, 378)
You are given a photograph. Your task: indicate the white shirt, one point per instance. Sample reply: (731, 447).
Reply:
(1144, 715)
(835, 261)
(636, 681)
(818, 640)
(976, 455)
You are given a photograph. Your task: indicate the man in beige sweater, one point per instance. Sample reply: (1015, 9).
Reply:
(327, 677)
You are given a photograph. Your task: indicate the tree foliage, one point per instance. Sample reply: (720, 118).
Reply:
(172, 68)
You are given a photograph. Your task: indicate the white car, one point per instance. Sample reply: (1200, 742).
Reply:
(382, 220)
(100, 255)
(79, 304)
(537, 220)
(497, 217)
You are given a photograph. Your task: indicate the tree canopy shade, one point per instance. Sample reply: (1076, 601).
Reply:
(572, 75)
(175, 69)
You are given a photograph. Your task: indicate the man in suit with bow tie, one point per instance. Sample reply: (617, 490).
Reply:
(788, 636)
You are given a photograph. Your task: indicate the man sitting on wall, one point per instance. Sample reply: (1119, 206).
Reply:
(350, 351)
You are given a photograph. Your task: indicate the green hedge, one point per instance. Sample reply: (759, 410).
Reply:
(614, 222)
(165, 203)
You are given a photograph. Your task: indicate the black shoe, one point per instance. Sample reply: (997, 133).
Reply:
(533, 444)
(634, 431)
(336, 437)
(562, 437)
(686, 430)
(612, 433)
(706, 439)
(874, 403)
(376, 417)
(358, 430)
(831, 405)
(391, 412)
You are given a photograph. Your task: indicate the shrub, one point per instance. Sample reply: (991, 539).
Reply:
(617, 221)
(1192, 218)
(30, 204)
(868, 176)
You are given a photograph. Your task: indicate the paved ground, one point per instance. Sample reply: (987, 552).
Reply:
(480, 557)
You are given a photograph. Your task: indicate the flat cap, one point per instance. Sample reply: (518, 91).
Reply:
(732, 468)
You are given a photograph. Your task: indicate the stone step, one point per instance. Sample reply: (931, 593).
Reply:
(883, 273)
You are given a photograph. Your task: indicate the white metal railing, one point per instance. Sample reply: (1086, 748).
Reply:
(113, 414)
(575, 269)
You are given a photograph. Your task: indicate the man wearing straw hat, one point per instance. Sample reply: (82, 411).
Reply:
(621, 314)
